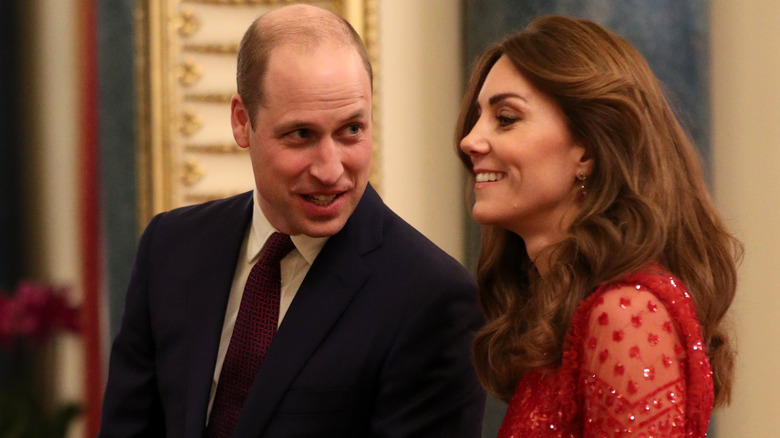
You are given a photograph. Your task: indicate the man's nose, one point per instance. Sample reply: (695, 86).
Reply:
(327, 166)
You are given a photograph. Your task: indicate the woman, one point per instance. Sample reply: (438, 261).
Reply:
(605, 272)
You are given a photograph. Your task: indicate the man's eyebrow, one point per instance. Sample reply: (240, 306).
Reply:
(294, 125)
(359, 114)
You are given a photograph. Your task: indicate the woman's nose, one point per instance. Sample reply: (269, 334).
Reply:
(474, 143)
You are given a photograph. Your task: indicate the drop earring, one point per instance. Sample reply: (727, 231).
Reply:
(581, 177)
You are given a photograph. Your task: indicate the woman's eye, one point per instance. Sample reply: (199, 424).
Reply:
(506, 120)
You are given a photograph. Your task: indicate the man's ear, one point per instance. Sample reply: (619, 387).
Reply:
(240, 121)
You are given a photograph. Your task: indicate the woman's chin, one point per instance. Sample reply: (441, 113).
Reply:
(483, 217)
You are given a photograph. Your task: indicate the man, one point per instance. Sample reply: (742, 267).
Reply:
(374, 321)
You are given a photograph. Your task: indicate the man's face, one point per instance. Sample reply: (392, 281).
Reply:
(311, 142)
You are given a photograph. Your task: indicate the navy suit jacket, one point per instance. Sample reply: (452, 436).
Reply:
(376, 342)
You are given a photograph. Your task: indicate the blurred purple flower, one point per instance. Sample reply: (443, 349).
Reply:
(34, 312)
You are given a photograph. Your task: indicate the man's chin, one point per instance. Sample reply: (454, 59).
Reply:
(323, 228)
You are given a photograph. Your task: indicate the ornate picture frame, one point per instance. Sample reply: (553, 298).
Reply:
(185, 68)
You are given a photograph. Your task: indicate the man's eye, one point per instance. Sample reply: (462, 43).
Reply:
(301, 133)
(353, 129)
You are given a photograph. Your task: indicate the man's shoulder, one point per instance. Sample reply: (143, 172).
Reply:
(411, 249)
(207, 211)
(220, 218)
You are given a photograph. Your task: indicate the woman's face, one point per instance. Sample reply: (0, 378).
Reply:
(525, 160)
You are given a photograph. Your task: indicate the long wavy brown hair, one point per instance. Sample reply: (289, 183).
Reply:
(646, 201)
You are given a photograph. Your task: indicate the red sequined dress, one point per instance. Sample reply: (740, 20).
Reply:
(633, 365)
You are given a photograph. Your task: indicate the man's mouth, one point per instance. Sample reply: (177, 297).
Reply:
(489, 176)
(321, 200)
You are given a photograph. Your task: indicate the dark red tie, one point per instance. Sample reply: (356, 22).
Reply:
(255, 327)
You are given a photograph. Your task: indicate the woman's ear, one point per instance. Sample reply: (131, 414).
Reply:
(239, 120)
(585, 160)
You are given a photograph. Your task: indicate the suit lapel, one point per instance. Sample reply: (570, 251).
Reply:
(207, 298)
(333, 280)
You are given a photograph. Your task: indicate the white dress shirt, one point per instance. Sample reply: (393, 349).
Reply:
(294, 268)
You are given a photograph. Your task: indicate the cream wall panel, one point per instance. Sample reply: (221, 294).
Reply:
(746, 153)
(221, 77)
(209, 17)
(50, 176)
(420, 61)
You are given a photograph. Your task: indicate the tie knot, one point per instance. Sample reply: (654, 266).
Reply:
(277, 246)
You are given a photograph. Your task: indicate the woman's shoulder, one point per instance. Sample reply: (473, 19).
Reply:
(639, 335)
(648, 293)
(652, 282)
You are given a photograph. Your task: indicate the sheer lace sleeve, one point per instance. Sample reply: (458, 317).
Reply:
(634, 375)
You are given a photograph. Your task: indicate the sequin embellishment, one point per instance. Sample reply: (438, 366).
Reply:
(627, 369)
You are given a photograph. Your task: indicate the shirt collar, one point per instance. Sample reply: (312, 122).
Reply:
(261, 230)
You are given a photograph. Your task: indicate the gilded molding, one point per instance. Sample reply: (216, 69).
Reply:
(208, 97)
(214, 48)
(371, 40)
(190, 123)
(153, 85)
(189, 73)
(245, 2)
(214, 148)
(187, 23)
(192, 172)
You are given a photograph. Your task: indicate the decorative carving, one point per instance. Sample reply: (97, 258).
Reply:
(187, 23)
(189, 73)
(190, 123)
(192, 172)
